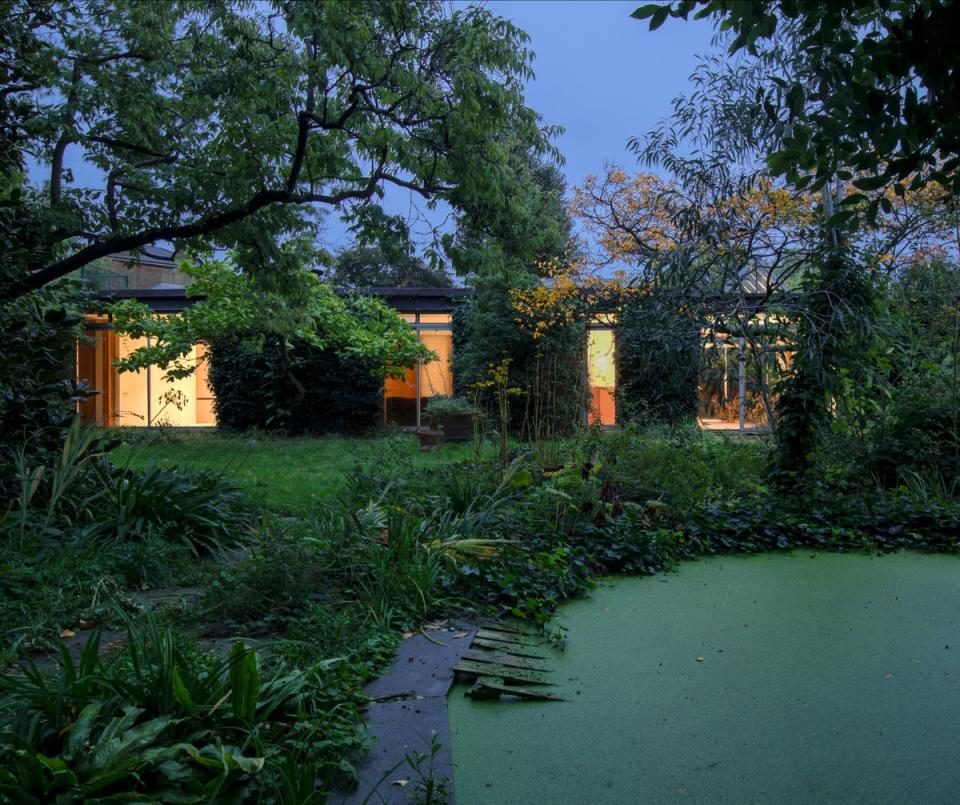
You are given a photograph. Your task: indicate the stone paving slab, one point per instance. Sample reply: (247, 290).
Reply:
(410, 703)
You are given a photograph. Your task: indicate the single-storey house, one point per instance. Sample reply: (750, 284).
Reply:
(145, 398)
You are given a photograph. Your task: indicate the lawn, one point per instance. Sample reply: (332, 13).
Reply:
(287, 475)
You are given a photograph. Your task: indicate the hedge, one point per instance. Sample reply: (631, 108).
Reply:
(252, 389)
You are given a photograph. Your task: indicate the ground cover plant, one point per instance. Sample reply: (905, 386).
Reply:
(403, 542)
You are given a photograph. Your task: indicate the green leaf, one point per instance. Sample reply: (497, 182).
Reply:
(643, 12)
(245, 681)
(840, 220)
(659, 17)
(62, 775)
(870, 182)
(180, 691)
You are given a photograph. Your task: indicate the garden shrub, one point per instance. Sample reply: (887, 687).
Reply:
(919, 434)
(658, 359)
(161, 721)
(202, 510)
(253, 390)
(38, 390)
(549, 370)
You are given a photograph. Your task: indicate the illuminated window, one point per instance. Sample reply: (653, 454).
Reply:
(435, 318)
(404, 398)
(602, 375)
(436, 377)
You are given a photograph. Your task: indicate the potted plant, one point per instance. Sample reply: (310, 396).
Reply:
(429, 439)
(452, 415)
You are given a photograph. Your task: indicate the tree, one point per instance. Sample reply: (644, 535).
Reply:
(232, 125)
(232, 306)
(858, 91)
(863, 90)
(372, 267)
(508, 241)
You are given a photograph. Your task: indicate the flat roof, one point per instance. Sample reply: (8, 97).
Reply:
(166, 298)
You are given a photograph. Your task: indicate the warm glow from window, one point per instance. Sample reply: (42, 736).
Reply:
(602, 374)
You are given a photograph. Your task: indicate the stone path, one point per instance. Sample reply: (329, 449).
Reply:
(409, 703)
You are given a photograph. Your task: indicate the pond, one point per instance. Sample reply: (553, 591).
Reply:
(781, 678)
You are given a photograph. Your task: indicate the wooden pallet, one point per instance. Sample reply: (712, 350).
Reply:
(502, 661)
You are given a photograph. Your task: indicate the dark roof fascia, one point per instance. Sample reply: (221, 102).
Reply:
(415, 300)
(161, 300)
(173, 300)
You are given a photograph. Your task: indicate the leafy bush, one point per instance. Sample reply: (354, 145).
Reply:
(919, 434)
(84, 495)
(658, 358)
(549, 370)
(38, 394)
(255, 390)
(440, 406)
(164, 722)
(200, 509)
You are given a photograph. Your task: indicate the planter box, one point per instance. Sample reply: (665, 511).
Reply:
(457, 427)
(429, 439)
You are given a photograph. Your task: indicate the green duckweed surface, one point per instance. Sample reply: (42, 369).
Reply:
(783, 678)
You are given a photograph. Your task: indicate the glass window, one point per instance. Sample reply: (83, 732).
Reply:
(435, 318)
(602, 373)
(203, 391)
(400, 399)
(436, 377)
(132, 387)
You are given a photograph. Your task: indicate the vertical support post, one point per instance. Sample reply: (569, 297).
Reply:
(742, 363)
(416, 377)
(726, 374)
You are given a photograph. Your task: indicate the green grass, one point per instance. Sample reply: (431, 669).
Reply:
(286, 475)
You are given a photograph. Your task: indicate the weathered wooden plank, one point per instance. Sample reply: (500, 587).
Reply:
(509, 637)
(504, 672)
(503, 658)
(488, 687)
(512, 648)
(504, 626)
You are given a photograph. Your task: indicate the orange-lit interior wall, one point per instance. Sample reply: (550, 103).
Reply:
(401, 403)
(96, 352)
(602, 375)
(436, 377)
(137, 399)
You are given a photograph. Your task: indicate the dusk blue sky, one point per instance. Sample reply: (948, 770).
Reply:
(602, 75)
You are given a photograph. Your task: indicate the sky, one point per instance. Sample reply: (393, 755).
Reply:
(602, 75)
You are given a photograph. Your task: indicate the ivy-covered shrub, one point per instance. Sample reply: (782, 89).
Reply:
(658, 358)
(255, 389)
(550, 370)
(919, 434)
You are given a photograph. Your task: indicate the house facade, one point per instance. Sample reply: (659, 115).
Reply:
(145, 398)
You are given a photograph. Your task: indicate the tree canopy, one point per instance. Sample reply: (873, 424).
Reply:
(374, 267)
(234, 125)
(865, 90)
